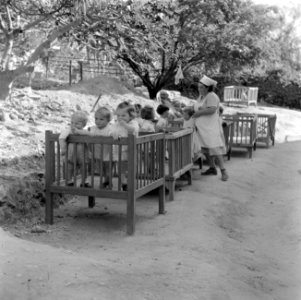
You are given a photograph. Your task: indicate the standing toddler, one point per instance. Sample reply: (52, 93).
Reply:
(125, 124)
(78, 121)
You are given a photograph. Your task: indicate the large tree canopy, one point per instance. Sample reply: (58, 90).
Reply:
(18, 19)
(155, 37)
(152, 37)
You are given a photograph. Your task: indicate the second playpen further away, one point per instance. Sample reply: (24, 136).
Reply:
(250, 129)
(240, 95)
(153, 159)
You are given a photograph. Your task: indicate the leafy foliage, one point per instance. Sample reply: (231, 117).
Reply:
(155, 37)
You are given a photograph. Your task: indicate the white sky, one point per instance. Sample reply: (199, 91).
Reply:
(278, 2)
(284, 3)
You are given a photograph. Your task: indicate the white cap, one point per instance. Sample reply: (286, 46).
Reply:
(208, 81)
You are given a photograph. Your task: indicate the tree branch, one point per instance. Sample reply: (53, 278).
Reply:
(2, 25)
(52, 36)
(10, 24)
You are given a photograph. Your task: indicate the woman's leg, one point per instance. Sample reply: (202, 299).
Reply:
(212, 168)
(225, 175)
(210, 160)
(220, 160)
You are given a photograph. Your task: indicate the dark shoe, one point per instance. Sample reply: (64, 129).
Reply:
(200, 162)
(210, 171)
(124, 187)
(106, 184)
(225, 175)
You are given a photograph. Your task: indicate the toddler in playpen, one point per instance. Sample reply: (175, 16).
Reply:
(125, 124)
(102, 156)
(147, 119)
(73, 157)
(163, 112)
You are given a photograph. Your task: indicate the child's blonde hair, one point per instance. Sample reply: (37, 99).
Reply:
(80, 116)
(130, 109)
(105, 112)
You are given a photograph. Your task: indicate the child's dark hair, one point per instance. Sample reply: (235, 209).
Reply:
(148, 113)
(189, 110)
(161, 109)
(129, 108)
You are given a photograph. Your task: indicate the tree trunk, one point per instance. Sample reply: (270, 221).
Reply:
(7, 78)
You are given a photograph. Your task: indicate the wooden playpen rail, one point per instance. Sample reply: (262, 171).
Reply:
(179, 150)
(227, 129)
(178, 156)
(144, 172)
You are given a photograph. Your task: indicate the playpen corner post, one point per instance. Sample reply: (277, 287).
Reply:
(49, 160)
(161, 154)
(131, 199)
(91, 201)
(162, 199)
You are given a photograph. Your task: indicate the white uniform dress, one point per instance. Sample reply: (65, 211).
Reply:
(209, 129)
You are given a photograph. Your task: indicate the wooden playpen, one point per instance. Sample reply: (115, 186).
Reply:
(243, 132)
(177, 156)
(144, 172)
(240, 95)
(266, 128)
(227, 129)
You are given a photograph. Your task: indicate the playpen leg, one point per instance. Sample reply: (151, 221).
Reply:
(229, 154)
(162, 200)
(130, 214)
(171, 188)
(189, 174)
(250, 152)
(49, 208)
(91, 201)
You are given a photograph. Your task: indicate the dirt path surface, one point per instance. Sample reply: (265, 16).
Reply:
(238, 240)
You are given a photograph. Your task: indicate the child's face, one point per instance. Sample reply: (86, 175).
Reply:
(123, 115)
(76, 124)
(101, 121)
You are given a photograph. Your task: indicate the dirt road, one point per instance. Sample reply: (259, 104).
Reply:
(236, 240)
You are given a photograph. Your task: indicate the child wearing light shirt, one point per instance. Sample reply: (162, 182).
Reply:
(125, 124)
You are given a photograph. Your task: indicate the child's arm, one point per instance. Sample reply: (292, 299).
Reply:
(63, 141)
(63, 146)
(81, 131)
(130, 127)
